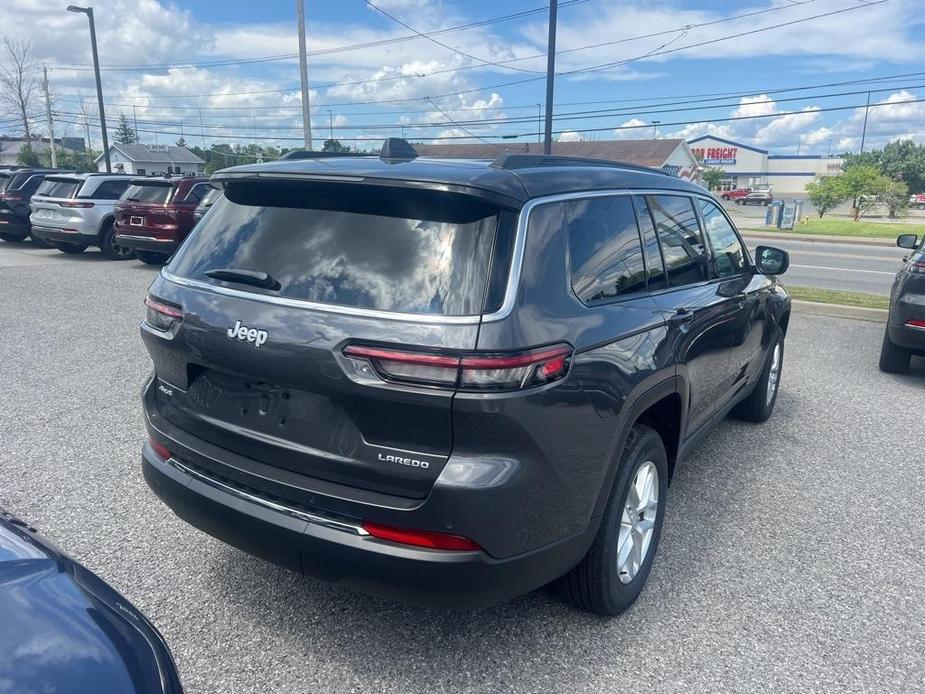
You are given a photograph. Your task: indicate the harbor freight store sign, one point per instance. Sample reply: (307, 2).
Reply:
(716, 156)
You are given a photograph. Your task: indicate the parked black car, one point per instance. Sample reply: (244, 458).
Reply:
(16, 189)
(205, 204)
(65, 630)
(453, 381)
(905, 330)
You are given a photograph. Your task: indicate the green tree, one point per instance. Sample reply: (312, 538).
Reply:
(902, 160)
(827, 193)
(27, 156)
(712, 177)
(868, 187)
(895, 197)
(125, 134)
(334, 146)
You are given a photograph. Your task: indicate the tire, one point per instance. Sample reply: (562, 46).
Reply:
(921, 206)
(738, 202)
(71, 248)
(151, 258)
(597, 584)
(110, 248)
(893, 359)
(759, 405)
(40, 243)
(12, 238)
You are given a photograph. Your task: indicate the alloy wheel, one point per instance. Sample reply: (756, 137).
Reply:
(637, 522)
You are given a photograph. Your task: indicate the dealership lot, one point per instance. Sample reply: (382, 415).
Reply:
(791, 558)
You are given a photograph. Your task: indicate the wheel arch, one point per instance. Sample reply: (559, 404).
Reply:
(105, 223)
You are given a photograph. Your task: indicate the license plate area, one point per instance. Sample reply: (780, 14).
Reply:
(136, 221)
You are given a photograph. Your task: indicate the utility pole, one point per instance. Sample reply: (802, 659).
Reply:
(135, 120)
(864, 130)
(655, 129)
(539, 122)
(550, 74)
(202, 130)
(99, 85)
(331, 123)
(51, 123)
(303, 73)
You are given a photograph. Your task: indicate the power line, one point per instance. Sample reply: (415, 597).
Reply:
(532, 133)
(318, 52)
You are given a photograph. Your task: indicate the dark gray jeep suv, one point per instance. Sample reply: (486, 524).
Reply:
(452, 381)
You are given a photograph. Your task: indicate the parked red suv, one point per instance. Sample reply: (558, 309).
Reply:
(154, 215)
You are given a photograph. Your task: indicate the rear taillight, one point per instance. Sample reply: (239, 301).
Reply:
(160, 449)
(917, 264)
(420, 538)
(67, 203)
(162, 316)
(915, 323)
(466, 371)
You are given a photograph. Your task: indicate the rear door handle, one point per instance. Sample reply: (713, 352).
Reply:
(682, 315)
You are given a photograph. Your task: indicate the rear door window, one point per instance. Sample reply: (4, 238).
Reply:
(728, 253)
(196, 192)
(148, 192)
(374, 247)
(109, 190)
(678, 233)
(605, 250)
(654, 265)
(57, 188)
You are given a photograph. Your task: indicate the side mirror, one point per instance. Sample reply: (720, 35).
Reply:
(910, 241)
(771, 261)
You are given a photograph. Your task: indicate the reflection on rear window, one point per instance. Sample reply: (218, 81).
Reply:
(400, 250)
(147, 193)
(58, 189)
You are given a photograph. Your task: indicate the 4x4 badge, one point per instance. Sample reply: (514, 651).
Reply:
(245, 334)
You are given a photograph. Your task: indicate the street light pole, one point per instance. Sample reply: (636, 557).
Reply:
(864, 130)
(655, 129)
(550, 74)
(303, 73)
(99, 85)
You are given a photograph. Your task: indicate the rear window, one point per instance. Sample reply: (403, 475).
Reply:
(390, 249)
(58, 188)
(148, 192)
(4, 181)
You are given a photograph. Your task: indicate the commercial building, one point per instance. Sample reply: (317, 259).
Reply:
(673, 156)
(152, 160)
(751, 167)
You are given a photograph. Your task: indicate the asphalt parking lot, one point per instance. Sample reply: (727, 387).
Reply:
(792, 558)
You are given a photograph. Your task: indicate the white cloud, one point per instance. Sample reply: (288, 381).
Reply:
(570, 136)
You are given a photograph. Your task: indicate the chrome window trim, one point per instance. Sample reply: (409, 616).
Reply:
(513, 281)
(312, 518)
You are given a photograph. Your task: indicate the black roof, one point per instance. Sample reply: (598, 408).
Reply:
(516, 178)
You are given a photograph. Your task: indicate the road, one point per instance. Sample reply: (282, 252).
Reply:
(791, 558)
(846, 266)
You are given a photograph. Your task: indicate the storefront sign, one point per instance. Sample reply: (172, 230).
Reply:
(717, 156)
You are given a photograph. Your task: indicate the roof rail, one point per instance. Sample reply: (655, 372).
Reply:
(310, 154)
(396, 148)
(510, 162)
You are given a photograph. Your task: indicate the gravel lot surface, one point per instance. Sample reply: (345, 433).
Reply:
(792, 557)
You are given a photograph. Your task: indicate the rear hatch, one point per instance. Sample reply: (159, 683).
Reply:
(144, 209)
(260, 370)
(52, 203)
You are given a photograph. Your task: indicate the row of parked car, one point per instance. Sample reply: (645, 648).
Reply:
(125, 216)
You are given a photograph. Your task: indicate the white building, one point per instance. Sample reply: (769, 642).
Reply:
(750, 167)
(10, 148)
(152, 160)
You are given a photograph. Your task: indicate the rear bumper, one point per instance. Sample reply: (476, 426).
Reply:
(60, 235)
(146, 243)
(11, 225)
(908, 307)
(339, 551)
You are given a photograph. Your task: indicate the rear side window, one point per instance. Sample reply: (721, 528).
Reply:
(606, 254)
(196, 192)
(109, 190)
(728, 254)
(211, 195)
(385, 248)
(58, 188)
(654, 265)
(148, 192)
(679, 235)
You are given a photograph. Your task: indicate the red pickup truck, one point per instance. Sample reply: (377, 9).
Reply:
(735, 194)
(917, 201)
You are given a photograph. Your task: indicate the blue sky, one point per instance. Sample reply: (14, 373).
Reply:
(668, 61)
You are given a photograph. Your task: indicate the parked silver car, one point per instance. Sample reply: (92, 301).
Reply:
(73, 211)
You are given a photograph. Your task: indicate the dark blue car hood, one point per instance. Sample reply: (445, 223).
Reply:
(62, 629)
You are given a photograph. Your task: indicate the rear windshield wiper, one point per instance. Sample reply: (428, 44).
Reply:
(252, 277)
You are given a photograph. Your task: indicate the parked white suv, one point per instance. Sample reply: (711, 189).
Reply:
(73, 211)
